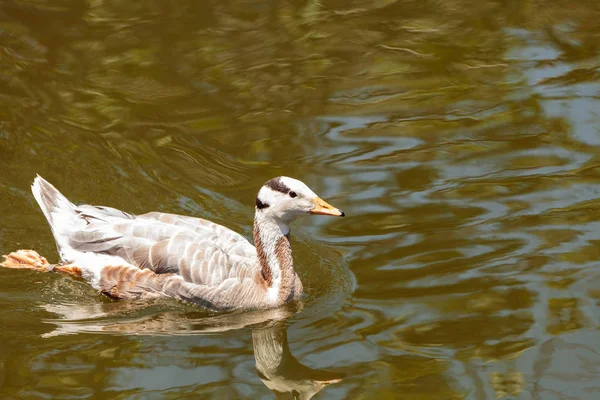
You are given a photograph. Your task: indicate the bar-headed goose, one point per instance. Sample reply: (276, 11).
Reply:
(158, 254)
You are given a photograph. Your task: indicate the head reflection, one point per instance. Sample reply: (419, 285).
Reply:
(281, 372)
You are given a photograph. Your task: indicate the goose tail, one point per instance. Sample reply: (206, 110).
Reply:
(58, 210)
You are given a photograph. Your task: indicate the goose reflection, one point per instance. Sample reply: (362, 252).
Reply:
(281, 372)
(276, 366)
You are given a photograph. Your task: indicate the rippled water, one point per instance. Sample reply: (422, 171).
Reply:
(460, 137)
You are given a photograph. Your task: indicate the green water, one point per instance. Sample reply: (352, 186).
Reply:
(461, 138)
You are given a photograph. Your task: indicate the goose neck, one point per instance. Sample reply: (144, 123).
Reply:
(272, 241)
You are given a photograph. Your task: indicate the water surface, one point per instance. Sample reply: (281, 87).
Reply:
(461, 138)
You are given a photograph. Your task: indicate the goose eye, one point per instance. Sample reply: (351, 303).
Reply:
(293, 194)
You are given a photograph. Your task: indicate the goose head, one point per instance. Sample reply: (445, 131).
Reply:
(287, 199)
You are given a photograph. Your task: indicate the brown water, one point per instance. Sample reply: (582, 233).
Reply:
(462, 138)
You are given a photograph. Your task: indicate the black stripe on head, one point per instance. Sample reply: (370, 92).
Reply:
(277, 185)
(260, 205)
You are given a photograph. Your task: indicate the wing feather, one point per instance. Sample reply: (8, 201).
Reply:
(200, 251)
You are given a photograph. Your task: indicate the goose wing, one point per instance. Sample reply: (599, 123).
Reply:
(202, 252)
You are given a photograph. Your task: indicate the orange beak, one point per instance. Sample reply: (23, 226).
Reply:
(322, 208)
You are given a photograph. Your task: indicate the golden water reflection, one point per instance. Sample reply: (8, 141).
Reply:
(461, 138)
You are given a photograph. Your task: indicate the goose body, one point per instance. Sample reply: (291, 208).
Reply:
(192, 259)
